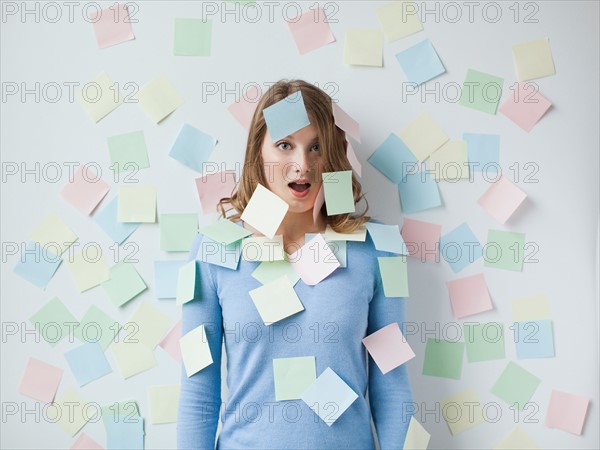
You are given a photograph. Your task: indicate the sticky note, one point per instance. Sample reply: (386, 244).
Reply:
(192, 147)
(177, 231)
(261, 248)
(566, 412)
(534, 339)
(265, 211)
(314, 261)
(533, 59)
(443, 358)
(339, 196)
(125, 433)
(462, 411)
(516, 439)
(318, 205)
(469, 295)
(269, 271)
(418, 191)
(481, 91)
(170, 343)
(531, 308)
(310, 30)
(54, 234)
(85, 190)
(243, 108)
(192, 37)
(286, 116)
(345, 122)
(394, 275)
(417, 437)
(224, 231)
(88, 270)
(97, 326)
(502, 199)
(54, 321)
(423, 136)
(131, 357)
(483, 151)
(387, 238)
(112, 25)
(213, 252)
(37, 264)
(87, 362)
(420, 62)
(159, 98)
(338, 248)
(84, 442)
(162, 403)
(393, 158)
(504, 250)
(137, 204)
(187, 278)
(125, 283)
(329, 388)
(119, 411)
(211, 188)
(99, 97)
(195, 350)
(515, 385)
(422, 239)
(353, 160)
(293, 376)
(363, 47)
(128, 152)
(40, 380)
(525, 106)
(388, 347)
(166, 274)
(450, 162)
(106, 218)
(71, 400)
(460, 247)
(358, 235)
(151, 324)
(484, 341)
(399, 19)
(276, 300)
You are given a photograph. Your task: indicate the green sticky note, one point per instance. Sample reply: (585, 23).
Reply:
(192, 37)
(504, 250)
(268, 271)
(53, 321)
(481, 91)
(124, 283)
(394, 275)
(337, 187)
(162, 403)
(128, 152)
(515, 385)
(225, 231)
(97, 326)
(177, 231)
(443, 358)
(484, 341)
(186, 283)
(292, 376)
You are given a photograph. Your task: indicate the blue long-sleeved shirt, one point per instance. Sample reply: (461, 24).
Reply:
(338, 312)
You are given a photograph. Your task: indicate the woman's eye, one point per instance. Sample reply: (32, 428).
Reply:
(287, 146)
(316, 147)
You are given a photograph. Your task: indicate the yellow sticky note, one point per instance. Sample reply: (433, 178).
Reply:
(151, 324)
(363, 47)
(276, 300)
(195, 350)
(88, 270)
(462, 411)
(517, 439)
(162, 403)
(53, 234)
(399, 19)
(450, 161)
(359, 235)
(72, 416)
(533, 60)
(265, 211)
(261, 248)
(137, 204)
(417, 437)
(99, 97)
(131, 357)
(535, 307)
(159, 98)
(423, 136)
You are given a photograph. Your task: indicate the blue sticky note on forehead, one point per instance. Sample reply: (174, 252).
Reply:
(286, 116)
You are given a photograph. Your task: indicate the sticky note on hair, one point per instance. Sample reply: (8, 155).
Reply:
(339, 196)
(286, 116)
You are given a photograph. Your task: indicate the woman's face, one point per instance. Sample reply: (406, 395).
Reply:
(296, 157)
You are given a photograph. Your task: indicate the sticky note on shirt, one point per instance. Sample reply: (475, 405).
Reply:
(293, 376)
(388, 347)
(192, 147)
(125, 283)
(159, 98)
(128, 152)
(310, 30)
(399, 19)
(525, 106)
(502, 199)
(112, 25)
(505, 250)
(387, 238)
(469, 295)
(268, 271)
(339, 196)
(213, 252)
(276, 300)
(195, 350)
(192, 37)
(137, 204)
(443, 358)
(224, 231)
(481, 91)
(314, 261)
(40, 380)
(363, 47)
(515, 385)
(533, 60)
(87, 362)
(99, 97)
(265, 211)
(261, 248)
(423, 136)
(567, 412)
(394, 275)
(85, 190)
(393, 158)
(420, 62)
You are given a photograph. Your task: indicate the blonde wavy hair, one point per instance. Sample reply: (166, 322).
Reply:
(332, 144)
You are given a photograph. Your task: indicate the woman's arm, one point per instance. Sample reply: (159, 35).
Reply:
(200, 397)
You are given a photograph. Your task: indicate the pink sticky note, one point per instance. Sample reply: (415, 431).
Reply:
(84, 442)
(345, 122)
(314, 261)
(525, 106)
(422, 239)
(354, 162)
(85, 190)
(319, 201)
(112, 25)
(40, 380)
(567, 412)
(502, 199)
(469, 295)
(311, 30)
(211, 188)
(170, 342)
(388, 347)
(243, 109)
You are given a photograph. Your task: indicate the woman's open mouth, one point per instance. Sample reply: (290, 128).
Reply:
(299, 189)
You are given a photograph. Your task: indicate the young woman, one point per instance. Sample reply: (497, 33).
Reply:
(338, 312)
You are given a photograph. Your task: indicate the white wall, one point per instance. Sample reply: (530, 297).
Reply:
(560, 216)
